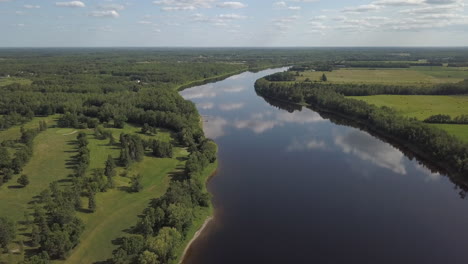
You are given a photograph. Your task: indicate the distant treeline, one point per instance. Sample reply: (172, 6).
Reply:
(447, 119)
(436, 143)
(350, 89)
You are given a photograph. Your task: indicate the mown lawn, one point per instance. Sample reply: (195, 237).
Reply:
(420, 75)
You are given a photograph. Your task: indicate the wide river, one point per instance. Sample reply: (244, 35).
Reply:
(294, 187)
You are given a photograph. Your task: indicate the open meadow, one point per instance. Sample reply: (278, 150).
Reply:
(418, 75)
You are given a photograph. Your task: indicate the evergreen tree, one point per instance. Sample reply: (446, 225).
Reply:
(324, 78)
(23, 180)
(109, 171)
(137, 186)
(92, 201)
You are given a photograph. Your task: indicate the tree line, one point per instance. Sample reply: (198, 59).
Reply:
(436, 143)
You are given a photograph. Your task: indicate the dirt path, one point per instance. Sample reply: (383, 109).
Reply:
(71, 133)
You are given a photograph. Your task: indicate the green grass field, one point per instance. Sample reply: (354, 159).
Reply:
(460, 131)
(117, 209)
(8, 81)
(423, 106)
(420, 106)
(420, 75)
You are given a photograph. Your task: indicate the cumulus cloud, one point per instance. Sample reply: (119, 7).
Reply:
(107, 13)
(231, 107)
(218, 20)
(371, 149)
(181, 5)
(231, 5)
(73, 4)
(361, 8)
(111, 7)
(284, 5)
(32, 6)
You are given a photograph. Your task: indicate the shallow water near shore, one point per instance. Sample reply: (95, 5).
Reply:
(294, 187)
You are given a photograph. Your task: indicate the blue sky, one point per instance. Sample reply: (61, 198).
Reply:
(209, 23)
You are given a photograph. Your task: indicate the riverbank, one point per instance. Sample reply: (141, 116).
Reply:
(202, 217)
(442, 167)
(223, 76)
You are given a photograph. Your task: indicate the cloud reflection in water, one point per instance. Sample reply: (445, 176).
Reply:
(371, 149)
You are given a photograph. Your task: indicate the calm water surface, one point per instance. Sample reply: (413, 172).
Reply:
(297, 188)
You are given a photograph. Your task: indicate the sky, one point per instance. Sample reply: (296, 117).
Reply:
(247, 23)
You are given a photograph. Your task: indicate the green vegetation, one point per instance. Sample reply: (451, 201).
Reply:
(460, 131)
(428, 140)
(10, 80)
(116, 160)
(94, 147)
(420, 75)
(420, 106)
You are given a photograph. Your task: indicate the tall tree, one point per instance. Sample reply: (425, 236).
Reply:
(7, 231)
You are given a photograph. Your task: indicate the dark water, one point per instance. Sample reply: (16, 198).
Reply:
(297, 188)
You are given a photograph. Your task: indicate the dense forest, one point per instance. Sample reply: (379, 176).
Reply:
(434, 142)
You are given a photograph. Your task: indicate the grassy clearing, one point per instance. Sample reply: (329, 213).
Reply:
(423, 106)
(420, 106)
(460, 131)
(13, 133)
(118, 209)
(52, 151)
(420, 75)
(11, 80)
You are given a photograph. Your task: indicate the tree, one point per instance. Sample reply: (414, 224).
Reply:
(7, 231)
(23, 180)
(109, 171)
(148, 257)
(92, 201)
(165, 243)
(137, 186)
(5, 159)
(145, 128)
(324, 78)
(35, 236)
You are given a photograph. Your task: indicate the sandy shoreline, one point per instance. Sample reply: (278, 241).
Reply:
(195, 236)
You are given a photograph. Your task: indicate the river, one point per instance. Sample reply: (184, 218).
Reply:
(295, 187)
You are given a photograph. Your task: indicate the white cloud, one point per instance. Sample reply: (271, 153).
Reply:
(219, 20)
(371, 149)
(231, 5)
(109, 13)
(231, 107)
(361, 8)
(296, 145)
(32, 6)
(284, 5)
(181, 5)
(70, 4)
(111, 7)
(398, 2)
(145, 22)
